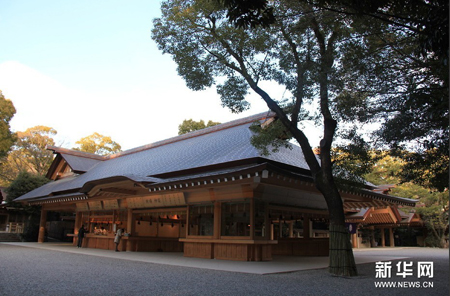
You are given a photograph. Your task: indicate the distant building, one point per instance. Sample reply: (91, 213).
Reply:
(12, 220)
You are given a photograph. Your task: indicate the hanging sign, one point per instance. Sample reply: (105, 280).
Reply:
(82, 207)
(95, 205)
(111, 204)
(155, 201)
(351, 227)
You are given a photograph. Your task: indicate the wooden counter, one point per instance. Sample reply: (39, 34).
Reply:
(105, 242)
(302, 247)
(229, 249)
(153, 244)
(131, 243)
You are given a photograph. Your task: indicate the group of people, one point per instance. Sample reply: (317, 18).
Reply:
(82, 231)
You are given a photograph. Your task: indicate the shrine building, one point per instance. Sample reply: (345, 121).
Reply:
(209, 194)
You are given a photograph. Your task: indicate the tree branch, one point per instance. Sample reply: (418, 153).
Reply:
(300, 73)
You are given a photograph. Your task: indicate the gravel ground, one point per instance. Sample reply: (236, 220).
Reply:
(28, 271)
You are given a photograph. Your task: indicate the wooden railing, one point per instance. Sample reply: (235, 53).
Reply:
(14, 227)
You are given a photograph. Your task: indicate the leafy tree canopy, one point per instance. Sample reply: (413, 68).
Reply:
(29, 154)
(7, 112)
(24, 183)
(423, 18)
(189, 125)
(301, 53)
(414, 103)
(249, 13)
(338, 69)
(98, 144)
(433, 205)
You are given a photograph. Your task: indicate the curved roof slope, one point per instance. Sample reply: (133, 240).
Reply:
(80, 164)
(225, 143)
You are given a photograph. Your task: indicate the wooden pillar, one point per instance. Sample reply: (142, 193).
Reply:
(280, 226)
(291, 229)
(355, 240)
(158, 225)
(391, 237)
(383, 239)
(252, 219)
(306, 228)
(217, 214)
(78, 221)
(77, 226)
(372, 237)
(130, 229)
(130, 224)
(267, 224)
(42, 225)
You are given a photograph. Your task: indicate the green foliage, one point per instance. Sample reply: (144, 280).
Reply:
(98, 144)
(31, 146)
(29, 154)
(386, 169)
(422, 18)
(232, 94)
(274, 133)
(429, 168)
(24, 183)
(399, 77)
(334, 66)
(351, 162)
(209, 51)
(432, 208)
(249, 13)
(396, 75)
(352, 106)
(7, 138)
(189, 125)
(433, 204)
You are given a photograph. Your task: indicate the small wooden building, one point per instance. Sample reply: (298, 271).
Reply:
(382, 220)
(12, 220)
(209, 194)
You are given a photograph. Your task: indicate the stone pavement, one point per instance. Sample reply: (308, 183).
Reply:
(279, 264)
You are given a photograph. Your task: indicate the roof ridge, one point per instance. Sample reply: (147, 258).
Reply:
(73, 152)
(193, 134)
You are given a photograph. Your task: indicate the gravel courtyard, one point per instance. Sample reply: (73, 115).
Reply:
(31, 271)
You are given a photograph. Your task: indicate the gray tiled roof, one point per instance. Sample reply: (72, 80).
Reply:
(225, 143)
(80, 164)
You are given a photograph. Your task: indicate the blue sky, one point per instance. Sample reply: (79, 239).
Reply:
(91, 66)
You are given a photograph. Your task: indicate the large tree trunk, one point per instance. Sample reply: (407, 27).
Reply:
(342, 262)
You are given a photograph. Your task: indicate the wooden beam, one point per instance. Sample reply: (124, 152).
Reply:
(119, 191)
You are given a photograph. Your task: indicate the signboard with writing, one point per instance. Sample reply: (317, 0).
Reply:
(155, 201)
(95, 205)
(135, 202)
(111, 204)
(175, 199)
(82, 207)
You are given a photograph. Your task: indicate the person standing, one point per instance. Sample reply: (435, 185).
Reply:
(119, 234)
(81, 233)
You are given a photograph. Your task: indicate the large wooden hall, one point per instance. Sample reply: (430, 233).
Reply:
(208, 193)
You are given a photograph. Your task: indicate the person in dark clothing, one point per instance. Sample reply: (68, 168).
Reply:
(81, 233)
